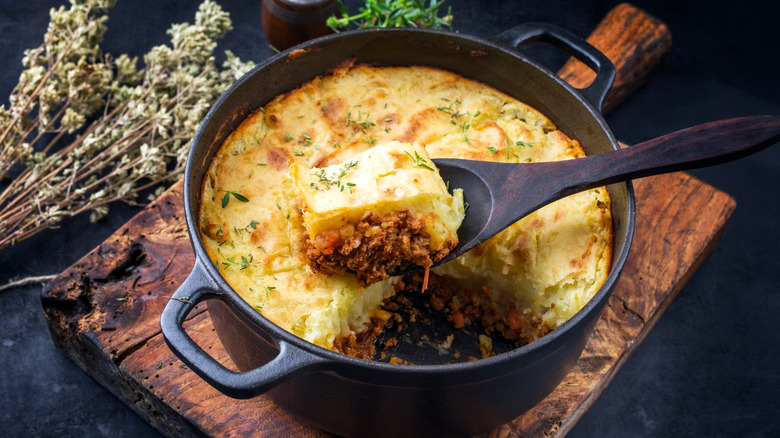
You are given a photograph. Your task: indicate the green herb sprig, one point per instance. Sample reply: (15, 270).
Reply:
(245, 262)
(453, 110)
(335, 178)
(419, 161)
(237, 195)
(392, 13)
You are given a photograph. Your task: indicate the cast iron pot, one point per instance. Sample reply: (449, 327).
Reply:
(356, 397)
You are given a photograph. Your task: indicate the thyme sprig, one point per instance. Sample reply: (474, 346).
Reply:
(244, 263)
(235, 194)
(510, 146)
(85, 129)
(392, 13)
(334, 178)
(453, 110)
(419, 161)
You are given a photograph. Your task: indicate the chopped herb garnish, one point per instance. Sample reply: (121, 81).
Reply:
(419, 161)
(237, 195)
(453, 109)
(335, 178)
(518, 143)
(245, 262)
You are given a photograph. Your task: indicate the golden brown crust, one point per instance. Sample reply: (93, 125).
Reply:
(546, 266)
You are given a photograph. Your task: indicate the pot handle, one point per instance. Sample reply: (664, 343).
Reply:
(198, 287)
(529, 33)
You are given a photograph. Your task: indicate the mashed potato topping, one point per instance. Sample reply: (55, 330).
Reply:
(385, 209)
(253, 219)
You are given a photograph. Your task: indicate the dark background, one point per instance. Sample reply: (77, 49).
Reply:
(709, 367)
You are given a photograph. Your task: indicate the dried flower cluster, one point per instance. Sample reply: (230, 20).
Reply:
(85, 129)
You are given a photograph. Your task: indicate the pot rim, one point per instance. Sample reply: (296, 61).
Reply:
(279, 334)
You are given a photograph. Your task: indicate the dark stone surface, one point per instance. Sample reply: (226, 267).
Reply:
(709, 368)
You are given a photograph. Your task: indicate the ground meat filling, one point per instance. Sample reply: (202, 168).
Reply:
(496, 315)
(375, 247)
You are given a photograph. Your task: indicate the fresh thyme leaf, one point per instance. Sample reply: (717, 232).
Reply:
(453, 109)
(334, 179)
(419, 161)
(244, 263)
(237, 195)
(392, 13)
(518, 143)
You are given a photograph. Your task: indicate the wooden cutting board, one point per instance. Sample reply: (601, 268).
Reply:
(104, 311)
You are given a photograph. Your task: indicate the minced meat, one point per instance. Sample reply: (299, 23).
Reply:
(374, 248)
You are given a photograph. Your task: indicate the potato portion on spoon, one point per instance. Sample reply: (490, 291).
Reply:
(385, 208)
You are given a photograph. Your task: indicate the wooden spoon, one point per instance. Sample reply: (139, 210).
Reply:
(500, 194)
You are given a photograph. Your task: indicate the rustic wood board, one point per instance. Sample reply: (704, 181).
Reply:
(104, 311)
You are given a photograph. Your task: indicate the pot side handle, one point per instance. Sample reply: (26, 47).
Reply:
(529, 33)
(196, 288)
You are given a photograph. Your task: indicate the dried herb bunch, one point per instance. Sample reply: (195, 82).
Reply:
(85, 129)
(392, 13)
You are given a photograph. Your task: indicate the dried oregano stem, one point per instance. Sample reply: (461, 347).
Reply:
(85, 129)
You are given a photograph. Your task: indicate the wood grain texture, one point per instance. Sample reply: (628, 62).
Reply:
(634, 41)
(103, 311)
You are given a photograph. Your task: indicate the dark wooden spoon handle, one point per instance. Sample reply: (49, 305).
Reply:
(700, 146)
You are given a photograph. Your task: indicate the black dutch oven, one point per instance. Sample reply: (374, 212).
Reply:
(356, 397)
